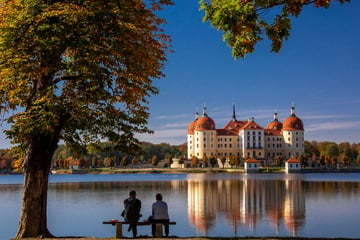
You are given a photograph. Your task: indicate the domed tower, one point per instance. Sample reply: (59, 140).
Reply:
(274, 140)
(201, 135)
(293, 134)
(275, 124)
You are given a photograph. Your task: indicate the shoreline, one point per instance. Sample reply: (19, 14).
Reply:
(159, 170)
(148, 170)
(194, 238)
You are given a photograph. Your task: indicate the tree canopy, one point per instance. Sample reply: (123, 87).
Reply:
(246, 22)
(80, 71)
(78, 67)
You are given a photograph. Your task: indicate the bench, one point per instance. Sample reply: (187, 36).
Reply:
(118, 224)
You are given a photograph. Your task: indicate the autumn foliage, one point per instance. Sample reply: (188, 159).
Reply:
(246, 22)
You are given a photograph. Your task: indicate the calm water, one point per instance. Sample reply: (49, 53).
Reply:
(227, 205)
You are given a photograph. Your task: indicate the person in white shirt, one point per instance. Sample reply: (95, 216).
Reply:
(160, 214)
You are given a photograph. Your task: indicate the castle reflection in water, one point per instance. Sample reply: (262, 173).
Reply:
(245, 202)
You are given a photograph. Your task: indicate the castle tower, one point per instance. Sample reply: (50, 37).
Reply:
(293, 135)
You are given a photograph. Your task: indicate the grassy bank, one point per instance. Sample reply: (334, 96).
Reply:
(148, 170)
(194, 238)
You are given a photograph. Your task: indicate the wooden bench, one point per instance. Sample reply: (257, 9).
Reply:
(118, 224)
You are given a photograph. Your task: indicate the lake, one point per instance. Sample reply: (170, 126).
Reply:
(220, 204)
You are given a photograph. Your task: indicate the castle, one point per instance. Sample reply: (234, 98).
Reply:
(246, 138)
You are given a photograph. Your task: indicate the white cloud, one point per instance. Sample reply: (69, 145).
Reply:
(328, 126)
(176, 125)
(178, 116)
(314, 117)
(171, 136)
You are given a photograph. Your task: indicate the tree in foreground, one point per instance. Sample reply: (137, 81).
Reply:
(78, 71)
(246, 22)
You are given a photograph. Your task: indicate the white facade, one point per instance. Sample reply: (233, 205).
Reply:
(245, 138)
(292, 165)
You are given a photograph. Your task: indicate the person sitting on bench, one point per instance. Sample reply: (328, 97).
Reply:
(160, 214)
(131, 212)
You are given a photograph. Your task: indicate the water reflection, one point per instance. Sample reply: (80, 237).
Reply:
(247, 203)
(224, 205)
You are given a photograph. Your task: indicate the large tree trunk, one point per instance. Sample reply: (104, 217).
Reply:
(37, 162)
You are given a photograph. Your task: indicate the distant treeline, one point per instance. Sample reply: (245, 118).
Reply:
(104, 154)
(331, 152)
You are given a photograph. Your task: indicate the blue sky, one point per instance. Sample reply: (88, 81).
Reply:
(317, 70)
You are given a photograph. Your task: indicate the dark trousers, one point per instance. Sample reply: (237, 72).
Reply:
(133, 227)
(166, 226)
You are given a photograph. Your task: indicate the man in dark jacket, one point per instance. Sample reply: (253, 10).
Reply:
(132, 207)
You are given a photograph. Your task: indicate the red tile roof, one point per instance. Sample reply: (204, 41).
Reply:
(293, 123)
(252, 160)
(272, 132)
(293, 160)
(252, 125)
